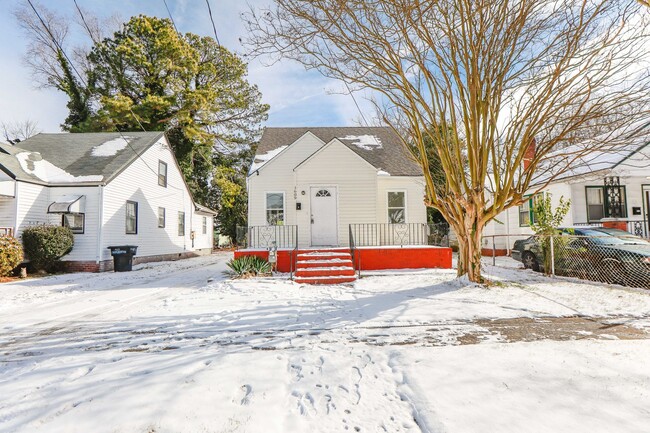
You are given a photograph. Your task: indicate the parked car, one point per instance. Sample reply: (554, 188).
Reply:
(601, 254)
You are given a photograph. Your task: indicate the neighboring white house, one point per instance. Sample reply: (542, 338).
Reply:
(110, 189)
(322, 179)
(601, 186)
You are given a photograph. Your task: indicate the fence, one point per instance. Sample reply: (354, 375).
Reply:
(382, 234)
(621, 260)
(268, 236)
(637, 228)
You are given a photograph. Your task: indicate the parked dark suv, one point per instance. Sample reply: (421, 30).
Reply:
(600, 254)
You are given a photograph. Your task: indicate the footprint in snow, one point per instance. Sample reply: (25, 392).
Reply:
(248, 395)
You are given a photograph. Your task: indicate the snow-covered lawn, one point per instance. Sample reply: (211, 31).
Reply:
(176, 347)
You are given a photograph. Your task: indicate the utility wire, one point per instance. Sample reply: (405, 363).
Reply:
(170, 16)
(83, 81)
(214, 28)
(350, 92)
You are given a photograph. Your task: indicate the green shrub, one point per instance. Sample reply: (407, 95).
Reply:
(11, 254)
(248, 266)
(46, 244)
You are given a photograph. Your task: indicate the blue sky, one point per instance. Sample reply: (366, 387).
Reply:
(297, 97)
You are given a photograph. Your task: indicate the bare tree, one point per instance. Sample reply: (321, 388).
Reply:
(488, 84)
(15, 132)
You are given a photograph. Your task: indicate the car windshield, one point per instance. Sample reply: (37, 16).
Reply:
(612, 237)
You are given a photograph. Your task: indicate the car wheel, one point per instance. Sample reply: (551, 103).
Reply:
(530, 261)
(614, 271)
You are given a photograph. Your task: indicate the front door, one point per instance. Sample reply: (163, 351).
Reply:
(324, 224)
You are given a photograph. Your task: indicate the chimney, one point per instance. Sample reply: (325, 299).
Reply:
(529, 155)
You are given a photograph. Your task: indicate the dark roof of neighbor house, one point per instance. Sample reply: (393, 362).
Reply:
(75, 158)
(380, 146)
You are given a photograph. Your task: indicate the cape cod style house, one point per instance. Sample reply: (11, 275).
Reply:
(338, 193)
(110, 189)
(609, 188)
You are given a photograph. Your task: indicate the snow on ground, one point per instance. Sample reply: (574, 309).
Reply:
(176, 347)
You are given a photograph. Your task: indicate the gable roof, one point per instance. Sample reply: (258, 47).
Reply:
(604, 159)
(379, 146)
(65, 158)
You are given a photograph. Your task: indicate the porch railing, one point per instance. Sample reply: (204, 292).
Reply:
(267, 237)
(384, 234)
(9, 231)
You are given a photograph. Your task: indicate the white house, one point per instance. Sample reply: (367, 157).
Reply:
(601, 186)
(323, 179)
(110, 189)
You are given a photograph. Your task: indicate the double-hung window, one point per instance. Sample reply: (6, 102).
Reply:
(161, 217)
(205, 225)
(527, 210)
(74, 221)
(598, 206)
(396, 207)
(275, 208)
(181, 223)
(162, 173)
(131, 217)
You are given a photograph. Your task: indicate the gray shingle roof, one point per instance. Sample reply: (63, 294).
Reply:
(390, 157)
(77, 154)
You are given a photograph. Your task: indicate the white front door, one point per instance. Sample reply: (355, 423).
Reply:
(324, 224)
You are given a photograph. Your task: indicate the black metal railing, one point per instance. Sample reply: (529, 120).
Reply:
(384, 234)
(353, 253)
(637, 228)
(268, 237)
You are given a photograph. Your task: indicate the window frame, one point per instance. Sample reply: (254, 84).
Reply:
(164, 217)
(126, 219)
(204, 225)
(266, 208)
(404, 207)
(530, 202)
(75, 231)
(181, 223)
(162, 179)
(605, 202)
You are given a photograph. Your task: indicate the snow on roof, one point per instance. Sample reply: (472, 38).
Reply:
(260, 160)
(34, 164)
(383, 173)
(111, 147)
(367, 142)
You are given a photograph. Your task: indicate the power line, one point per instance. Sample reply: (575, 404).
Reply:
(214, 28)
(170, 16)
(350, 92)
(83, 19)
(83, 81)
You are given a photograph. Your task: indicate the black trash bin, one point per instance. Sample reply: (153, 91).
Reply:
(123, 257)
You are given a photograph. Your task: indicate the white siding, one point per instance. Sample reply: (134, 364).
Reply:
(7, 212)
(416, 212)
(356, 182)
(278, 176)
(85, 244)
(203, 241)
(139, 183)
(33, 201)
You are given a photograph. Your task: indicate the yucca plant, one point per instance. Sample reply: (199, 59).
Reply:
(248, 266)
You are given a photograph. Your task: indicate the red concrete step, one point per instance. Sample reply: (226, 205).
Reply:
(324, 266)
(323, 255)
(341, 271)
(323, 263)
(325, 280)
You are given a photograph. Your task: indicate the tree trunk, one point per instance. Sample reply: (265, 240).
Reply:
(469, 252)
